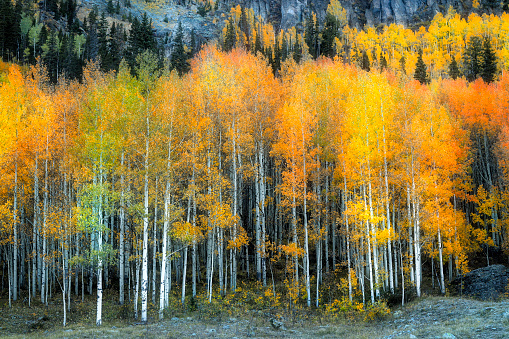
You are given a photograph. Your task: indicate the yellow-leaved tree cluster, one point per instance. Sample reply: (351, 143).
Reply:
(152, 183)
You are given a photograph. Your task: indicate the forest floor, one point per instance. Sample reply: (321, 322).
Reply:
(427, 317)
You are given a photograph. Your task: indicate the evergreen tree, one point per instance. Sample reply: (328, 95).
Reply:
(141, 38)
(374, 58)
(354, 56)
(402, 64)
(92, 36)
(489, 62)
(193, 48)
(102, 38)
(50, 56)
(297, 51)
(276, 62)
(383, 62)
(284, 49)
(420, 70)
(178, 59)
(244, 27)
(230, 38)
(109, 7)
(10, 32)
(258, 43)
(454, 71)
(114, 46)
(147, 38)
(268, 55)
(329, 33)
(70, 13)
(472, 59)
(311, 36)
(365, 62)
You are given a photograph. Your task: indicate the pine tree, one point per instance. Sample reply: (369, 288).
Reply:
(276, 62)
(109, 7)
(192, 45)
(258, 43)
(365, 62)
(472, 59)
(489, 62)
(454, 71)
(50, 56)
(420, 70)
(297, 51)
(374, 58)
(329, 33)
(230, 38)
(147, 39)
(102, 38)
(402, 64)
(178, 58)
(92, 37)
(284, 49)
(244, 27)
(114, 46)
(10, 33)
(311, 36)
(383, 62)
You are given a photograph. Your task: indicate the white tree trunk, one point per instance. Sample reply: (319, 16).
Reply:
(144, 269)
(15, 236)
(154, 254)
(122, 232)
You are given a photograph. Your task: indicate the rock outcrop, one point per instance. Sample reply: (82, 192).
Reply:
(288, 13)
(487, 283)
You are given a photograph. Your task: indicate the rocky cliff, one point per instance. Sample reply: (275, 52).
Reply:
(288, 13)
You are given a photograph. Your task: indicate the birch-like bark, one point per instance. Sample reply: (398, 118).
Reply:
(15, 236)
(164, 283)
(44, 294)
(304, 212)
(35, 229)
(144, 269)
(154, 254)
(122, 232)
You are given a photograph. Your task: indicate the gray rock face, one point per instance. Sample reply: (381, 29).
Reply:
(287, 13)
(485, 283)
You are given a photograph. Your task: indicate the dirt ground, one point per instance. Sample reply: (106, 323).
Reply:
(428, 317)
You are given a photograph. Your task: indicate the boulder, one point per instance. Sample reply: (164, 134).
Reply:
(487, 283)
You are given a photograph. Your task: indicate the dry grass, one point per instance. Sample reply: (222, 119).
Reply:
(428, 317)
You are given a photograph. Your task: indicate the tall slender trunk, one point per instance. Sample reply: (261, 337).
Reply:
(304, 212)
(154, 254)
(15, 236)
(144, 269)
(368, 239)
(184, 273)
(233, 253)
(387, 204)
(35, 230)
(417, 242)
(44, 279)
(122, 232)
(164, 288)
(64, 290)
(194, 250)
(99, 249)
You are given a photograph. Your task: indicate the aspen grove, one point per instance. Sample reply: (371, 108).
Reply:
(157, 185)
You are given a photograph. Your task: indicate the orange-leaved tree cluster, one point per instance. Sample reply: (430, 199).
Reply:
(161, 182)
